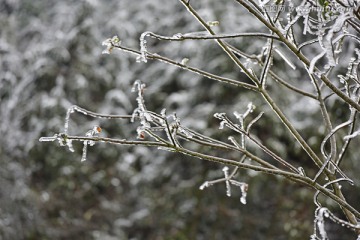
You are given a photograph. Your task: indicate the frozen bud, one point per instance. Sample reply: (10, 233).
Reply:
(110, 43)
(115, 39)
(251, 106)
(97, 129)
(213, 23)
(141, 135)
(184, 61)
(62, 139)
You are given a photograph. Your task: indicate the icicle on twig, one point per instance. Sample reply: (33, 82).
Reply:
(143, 48)
(243, 188)
(91, 133)
(141, 111)
(228, 188)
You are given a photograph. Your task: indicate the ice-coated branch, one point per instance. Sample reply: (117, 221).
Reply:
(276, 77)
(117, 141)
(225, 121)
(229, 177)
(188, 36)
(85, 112)
(206, 36)
(181, 65)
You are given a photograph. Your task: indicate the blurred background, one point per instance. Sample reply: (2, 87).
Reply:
(50, 59)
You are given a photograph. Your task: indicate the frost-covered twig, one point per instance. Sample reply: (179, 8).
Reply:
(276, 77)
(189, 68)
(227, 179)
(206, 36)
(85, 112)
(225, 121)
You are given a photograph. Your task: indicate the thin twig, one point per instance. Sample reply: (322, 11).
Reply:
(191, 69)
(206, 36)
